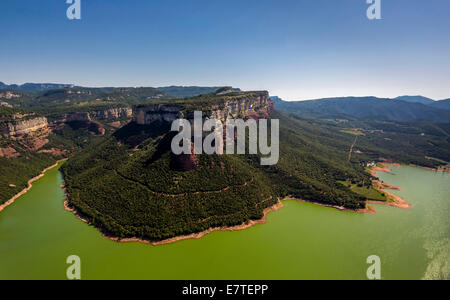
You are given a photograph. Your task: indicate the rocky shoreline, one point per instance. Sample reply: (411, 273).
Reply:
(398, 201)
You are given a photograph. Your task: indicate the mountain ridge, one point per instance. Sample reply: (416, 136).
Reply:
(34, 87)
(172, 91)
(367, 108)
(416, 99)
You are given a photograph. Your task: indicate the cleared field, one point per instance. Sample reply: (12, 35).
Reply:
(370, 193)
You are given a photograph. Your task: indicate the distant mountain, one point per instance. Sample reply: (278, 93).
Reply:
(78, 98)
(77, 95)
(276, 99)
(189, 91)
(172, 91)
(442, 104)
(34, 87)
(365, 108)
(416, 99)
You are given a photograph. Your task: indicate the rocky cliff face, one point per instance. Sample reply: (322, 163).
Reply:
(152, 113)
(19, 125)
(112, 113)
(87, 119)
(8, 95)
(23, 126)
(107, 114)
(258, 105)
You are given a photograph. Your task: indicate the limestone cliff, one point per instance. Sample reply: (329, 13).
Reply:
(241, 105)
(110, 114)
(242, 108)
(151, 113)
(22, 125)
(8, 95)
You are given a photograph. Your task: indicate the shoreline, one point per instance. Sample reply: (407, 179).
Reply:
(442, 170)
(445, 169)
(399, 202)
(30, 185)
(199, 235)
(367, 210)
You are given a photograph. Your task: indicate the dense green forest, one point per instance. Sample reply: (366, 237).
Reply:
(188, 91)
(16, 172)
(7, 112)
(404, 142)
(443, 104)
(133, 189)
(368, 108)
(53, 101)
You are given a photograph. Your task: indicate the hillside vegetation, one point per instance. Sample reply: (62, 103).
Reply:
(134, 189)
(74, 99)
(366, 108)
(188, 91)
(127, 182)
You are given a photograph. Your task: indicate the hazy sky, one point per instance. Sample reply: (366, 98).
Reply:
(296, 49)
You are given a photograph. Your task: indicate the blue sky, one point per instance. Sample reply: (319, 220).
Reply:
(296, 49)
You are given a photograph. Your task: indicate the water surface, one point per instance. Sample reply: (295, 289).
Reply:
(301, 241)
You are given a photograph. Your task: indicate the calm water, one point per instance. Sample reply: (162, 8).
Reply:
(301, 241)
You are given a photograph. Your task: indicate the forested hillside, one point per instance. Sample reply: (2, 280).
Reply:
(443, 104)
(364, 108)
(416, 99)
(419, 143)
(34, 87)
(188, 91)
(131, 186)
(79, 97)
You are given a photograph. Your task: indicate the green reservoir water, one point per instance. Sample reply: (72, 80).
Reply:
(301, 241)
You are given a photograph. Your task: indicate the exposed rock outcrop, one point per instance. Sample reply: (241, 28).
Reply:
(148, 114)
(246, 105)
(5, 104)
(34, 141)
(8, 95)
(87, 119)
(82, 117)
(8, 152)
(243, 108)
(23, 125)
(112, 113)
(185, 162)
(96, 128)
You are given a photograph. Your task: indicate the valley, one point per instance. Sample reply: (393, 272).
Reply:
(122, 178)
